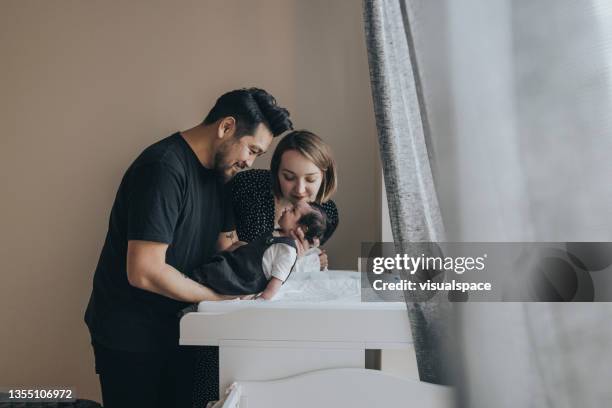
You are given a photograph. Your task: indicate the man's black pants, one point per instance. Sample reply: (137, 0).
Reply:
(153, 379)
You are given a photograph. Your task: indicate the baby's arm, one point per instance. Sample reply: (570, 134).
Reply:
(283, 259)
(273, 286)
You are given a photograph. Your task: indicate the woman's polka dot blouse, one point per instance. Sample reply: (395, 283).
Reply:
(253, 205)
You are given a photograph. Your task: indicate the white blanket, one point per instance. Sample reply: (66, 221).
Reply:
(330, 286)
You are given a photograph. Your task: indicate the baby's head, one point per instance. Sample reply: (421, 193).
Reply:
(309, 217)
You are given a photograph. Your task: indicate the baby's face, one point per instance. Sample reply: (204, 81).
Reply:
(288, 220)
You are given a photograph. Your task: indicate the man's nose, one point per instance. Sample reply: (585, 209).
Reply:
(249, 162)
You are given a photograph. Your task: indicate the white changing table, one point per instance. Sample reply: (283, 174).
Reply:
(270, 340)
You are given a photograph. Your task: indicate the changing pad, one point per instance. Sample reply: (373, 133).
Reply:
(315, 289)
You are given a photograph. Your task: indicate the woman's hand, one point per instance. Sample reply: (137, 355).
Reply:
(302, 243)
(323, 260)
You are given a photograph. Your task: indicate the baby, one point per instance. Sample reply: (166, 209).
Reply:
(264, 264)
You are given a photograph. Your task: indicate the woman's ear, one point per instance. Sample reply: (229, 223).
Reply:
(227, 127)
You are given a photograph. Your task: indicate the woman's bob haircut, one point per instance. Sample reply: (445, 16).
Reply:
(314, 149)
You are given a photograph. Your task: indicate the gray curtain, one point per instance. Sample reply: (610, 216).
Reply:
(532, 122)
(507, 105)
(403, 137)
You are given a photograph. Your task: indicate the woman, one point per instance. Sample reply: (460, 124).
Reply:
(302, 170)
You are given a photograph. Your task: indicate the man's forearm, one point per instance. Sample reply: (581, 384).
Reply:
(169, 282)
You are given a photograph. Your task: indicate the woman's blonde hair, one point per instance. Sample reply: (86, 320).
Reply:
(314, 149)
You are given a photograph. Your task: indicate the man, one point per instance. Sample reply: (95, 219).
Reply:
(167, 217)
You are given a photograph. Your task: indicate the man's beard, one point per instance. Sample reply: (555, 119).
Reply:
(221, 167)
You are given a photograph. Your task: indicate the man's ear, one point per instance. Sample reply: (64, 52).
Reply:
(227, 127)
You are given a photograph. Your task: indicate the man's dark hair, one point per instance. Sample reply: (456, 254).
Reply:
(314, 224)
(250, 107)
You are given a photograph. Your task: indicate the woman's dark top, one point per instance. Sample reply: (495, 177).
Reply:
(253, 204)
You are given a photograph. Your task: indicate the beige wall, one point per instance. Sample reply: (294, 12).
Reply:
(86, 85)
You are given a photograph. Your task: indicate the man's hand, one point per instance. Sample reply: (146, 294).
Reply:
(225, 240)
(235, 246)
(218, 296)
(302, 243)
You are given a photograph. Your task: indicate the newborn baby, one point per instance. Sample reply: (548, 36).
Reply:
(264, 264)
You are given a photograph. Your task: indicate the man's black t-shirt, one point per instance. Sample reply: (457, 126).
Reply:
(165, 196)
